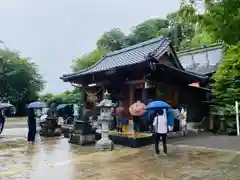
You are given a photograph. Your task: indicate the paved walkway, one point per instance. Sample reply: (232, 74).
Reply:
(15, 124)
(58, 159)
(210, 140)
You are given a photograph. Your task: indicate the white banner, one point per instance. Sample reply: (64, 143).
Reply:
(237, 117)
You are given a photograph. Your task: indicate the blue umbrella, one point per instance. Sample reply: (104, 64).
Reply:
(157, 104)
(170, 117)
(37, 104)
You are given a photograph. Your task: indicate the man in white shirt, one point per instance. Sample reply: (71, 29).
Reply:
(160, 125)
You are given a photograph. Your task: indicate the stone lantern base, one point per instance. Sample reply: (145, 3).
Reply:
(104, 145)
(50, 128)
(82, 133)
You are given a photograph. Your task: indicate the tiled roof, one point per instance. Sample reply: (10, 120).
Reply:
(202, 60)
(128, 56)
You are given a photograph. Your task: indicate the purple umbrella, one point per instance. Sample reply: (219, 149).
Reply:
(37, 104)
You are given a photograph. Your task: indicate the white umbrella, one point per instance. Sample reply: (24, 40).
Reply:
(5, 105)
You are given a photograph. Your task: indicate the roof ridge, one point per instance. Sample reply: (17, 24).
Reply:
(113, 53)
(200, 49)
(136, 46)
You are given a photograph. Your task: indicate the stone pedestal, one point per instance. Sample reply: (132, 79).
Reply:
(50, 128)
(104, 144)
(66, 129)
(82, 133)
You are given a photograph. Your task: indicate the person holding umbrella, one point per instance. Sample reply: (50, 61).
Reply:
(163, 121)
(137, 110)
(3, 106)
(2, 121)
(160, 128)
(32, 127)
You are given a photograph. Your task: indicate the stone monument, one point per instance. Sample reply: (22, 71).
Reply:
(105, 118)
(50, 127)
(82, 132)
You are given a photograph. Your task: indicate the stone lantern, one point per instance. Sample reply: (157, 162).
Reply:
(82, 132)
(105, 118)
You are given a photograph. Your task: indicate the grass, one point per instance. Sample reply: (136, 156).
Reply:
(24, 118)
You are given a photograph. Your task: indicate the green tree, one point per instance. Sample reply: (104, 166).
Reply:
(74, 96)
(146, 30)
(112, 40)
(222, 20)
(19, 78)
(226, 86)
(201, 37)
(182, 25)
(88, 59)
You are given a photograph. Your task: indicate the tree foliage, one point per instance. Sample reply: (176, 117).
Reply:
(74, 96)
(226, 87)
(19, 78)
(146, 30)
(222, 19)
(112, 40)
(88, 59)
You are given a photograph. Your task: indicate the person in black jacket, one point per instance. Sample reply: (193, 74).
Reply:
(2, 121)
(32, 128)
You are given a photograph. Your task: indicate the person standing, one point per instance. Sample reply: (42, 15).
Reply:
(119, 116)
(160, 125)
(2, 121)
(183, 120)
(32, 129)
(136, 122)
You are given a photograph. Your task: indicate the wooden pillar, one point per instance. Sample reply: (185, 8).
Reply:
(131, 93)
(211, 124)
(84, 95)
(131, 98)
(144, 93)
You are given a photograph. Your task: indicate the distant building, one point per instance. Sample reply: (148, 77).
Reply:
(203, 61)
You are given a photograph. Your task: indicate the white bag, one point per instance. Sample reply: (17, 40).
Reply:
(43, 118)
(60, 121)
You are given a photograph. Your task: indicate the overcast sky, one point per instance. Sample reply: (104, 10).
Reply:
(54, 32)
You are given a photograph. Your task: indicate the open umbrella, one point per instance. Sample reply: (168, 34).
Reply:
(137, 109)
(37, 104)
(5, 105)
(157, 104)
(61, 106)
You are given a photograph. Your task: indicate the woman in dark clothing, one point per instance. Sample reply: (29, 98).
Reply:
(136, 122)
(2, 121)
(32, 129)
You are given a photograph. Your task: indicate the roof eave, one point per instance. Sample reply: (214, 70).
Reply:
(198, 76)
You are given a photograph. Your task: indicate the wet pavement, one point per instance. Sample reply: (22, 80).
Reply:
(55, 158)
(210, 140)
(15, 124)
